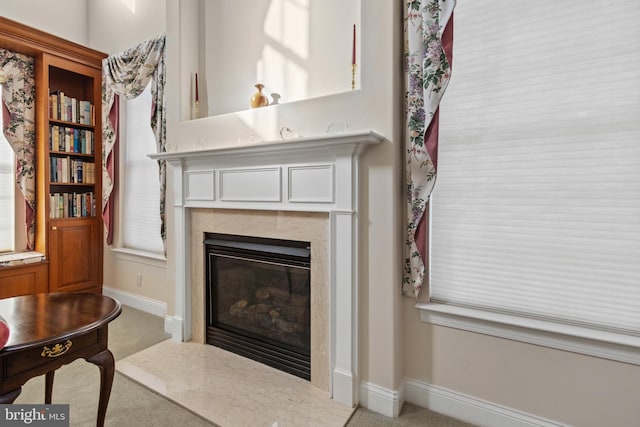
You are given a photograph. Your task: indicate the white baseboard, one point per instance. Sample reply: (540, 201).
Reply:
(344, 387)
(381, 400)
(138, 302)
(468, 408)
(173, 326)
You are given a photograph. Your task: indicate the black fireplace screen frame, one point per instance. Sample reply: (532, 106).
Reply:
(289, 255)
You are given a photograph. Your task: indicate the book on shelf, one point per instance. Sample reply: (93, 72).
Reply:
(65, 170)
(53, 106)
(69, 109)
(72, 205)
(71, 140)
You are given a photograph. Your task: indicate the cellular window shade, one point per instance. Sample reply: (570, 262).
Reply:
(141, 207)
(7, 194)
(536, 208)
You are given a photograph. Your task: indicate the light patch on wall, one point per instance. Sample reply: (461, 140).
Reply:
(287, 22)
(283, 73)
(286, 26)
(130, 4)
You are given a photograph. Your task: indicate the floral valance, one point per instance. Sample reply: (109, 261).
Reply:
(18, 110)
(127, 74)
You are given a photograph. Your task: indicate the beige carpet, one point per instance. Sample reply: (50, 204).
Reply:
(131, 404)
(77, 384)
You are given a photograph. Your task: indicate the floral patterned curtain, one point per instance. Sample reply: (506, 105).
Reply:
(428, 50)
(128, 74)
(18, 110)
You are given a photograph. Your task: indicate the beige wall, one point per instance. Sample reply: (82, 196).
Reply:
(382, 208)
(558, 385)
(113, 27)
(52, 17)
(380, 330)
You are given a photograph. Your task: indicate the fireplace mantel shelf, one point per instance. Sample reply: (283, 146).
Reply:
(307, 174)
(310, 143)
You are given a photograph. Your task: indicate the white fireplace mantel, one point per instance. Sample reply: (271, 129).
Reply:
(312, 174)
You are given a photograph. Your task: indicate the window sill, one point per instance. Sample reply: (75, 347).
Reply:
(606, 345)
(20, 258)
(141, 257)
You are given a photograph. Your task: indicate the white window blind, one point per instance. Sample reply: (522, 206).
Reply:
(7, 193)
(141, 204)
(536, 208)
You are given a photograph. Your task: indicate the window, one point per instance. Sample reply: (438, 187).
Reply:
(140, 187)
(535, 216)
(7, 194)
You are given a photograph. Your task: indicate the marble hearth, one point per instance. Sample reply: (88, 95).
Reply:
(299, 189)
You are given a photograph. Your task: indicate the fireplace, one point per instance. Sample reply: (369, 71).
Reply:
(257, 299)
(261, 186)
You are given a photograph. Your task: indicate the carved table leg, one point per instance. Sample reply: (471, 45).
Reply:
(104, 361)
(48, 386)
(8, 398)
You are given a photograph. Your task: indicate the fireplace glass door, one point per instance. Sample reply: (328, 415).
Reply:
(258, 299)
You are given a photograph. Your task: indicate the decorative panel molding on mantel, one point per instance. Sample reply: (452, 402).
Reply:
(298, 174)
(311, 174)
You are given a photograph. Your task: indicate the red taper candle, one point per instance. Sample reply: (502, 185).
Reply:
(197, 87)
(353, 51)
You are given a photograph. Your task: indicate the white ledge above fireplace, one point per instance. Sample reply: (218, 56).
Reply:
(311, 174)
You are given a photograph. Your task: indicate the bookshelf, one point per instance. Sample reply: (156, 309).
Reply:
(68, 166)
(69, 159)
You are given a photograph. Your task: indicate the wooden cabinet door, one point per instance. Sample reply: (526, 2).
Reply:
(74, 256)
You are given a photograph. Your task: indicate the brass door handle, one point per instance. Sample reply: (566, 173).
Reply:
(54, 228)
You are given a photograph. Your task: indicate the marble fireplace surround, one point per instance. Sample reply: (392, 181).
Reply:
(308, 183)
(310, 227)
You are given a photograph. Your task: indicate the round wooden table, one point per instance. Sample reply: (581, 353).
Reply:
(48, 331)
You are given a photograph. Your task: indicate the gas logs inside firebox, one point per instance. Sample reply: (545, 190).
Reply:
(276, 308)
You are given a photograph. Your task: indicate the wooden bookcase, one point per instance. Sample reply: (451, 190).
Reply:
(69, 226)
(69, 159)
